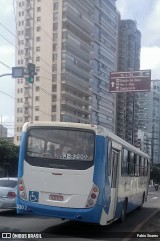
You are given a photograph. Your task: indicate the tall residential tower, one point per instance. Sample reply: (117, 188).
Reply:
(74, 46)
(129, 45)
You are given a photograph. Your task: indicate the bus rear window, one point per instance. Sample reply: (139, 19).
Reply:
(60, 148)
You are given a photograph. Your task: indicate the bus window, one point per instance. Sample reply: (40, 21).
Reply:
(131, 163)
(141, 167)
(136, 165)
(35, 146)
(124, 164)
(109, 157)
(145, 167)
(60, 148)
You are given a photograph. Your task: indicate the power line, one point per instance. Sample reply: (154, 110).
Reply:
(30, 106)
(33, 51)
(8, 41)
(7, 66)
(38, 25)
(8, 29)
(45, 91)
(7, 95)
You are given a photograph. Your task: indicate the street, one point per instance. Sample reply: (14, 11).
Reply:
(67, 230)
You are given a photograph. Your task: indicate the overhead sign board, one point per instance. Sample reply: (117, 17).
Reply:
(17, 72)
(133, 81)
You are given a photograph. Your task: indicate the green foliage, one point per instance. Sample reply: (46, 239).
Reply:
(155, 174)
(9, 157)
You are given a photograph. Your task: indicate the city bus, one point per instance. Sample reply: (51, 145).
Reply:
(79, 172)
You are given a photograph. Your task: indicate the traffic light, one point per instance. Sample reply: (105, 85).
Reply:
(31, 72)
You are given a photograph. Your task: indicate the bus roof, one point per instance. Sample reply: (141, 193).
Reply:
(99, 130)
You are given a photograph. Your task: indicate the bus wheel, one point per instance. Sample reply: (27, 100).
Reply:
(123, 211)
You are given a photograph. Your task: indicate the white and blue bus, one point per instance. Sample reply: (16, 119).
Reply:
(79, 172)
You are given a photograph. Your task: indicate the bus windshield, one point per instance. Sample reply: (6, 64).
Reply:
(60, 148)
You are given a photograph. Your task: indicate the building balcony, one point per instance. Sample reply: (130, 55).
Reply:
(27, 56)
(77, 50)
(28, 6)
(27, 46)
(79, 117)
(28, 16)
(27, 25)
(28, 35)
(27, 94)
(26, 113)
(26, 103)
(75, 107)
(129, 109)
(77, 87)
(120, 131)
(77, 30)
(26, 85)
(76, 98)
(69, 14)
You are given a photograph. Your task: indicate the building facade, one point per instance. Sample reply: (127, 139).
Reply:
(3, 131)
(153, 120)
(129, 45)
(74, 47)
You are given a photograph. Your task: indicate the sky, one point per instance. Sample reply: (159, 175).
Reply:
(145, 12)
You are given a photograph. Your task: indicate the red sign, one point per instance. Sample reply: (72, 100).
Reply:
(130, 81)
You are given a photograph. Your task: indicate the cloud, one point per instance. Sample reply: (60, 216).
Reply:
(146, 13)
(150, 59)
(151, 35)
(7, 56)
(7, 7)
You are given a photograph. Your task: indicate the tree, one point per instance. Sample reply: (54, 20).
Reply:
(8, 158)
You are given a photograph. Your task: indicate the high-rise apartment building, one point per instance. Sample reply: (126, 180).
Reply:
(142, 113)
(153, 120)
(3, 131)
(74, 46)
(129, 44)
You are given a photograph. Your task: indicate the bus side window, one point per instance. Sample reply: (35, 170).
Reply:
(124, 163)
(131, 163)
(141, 167)
(145, 167)
(136, 165)
(109, 157)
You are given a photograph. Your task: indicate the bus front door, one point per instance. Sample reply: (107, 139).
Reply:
(114, 183)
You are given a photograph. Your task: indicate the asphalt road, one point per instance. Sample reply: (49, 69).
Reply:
(69, 230)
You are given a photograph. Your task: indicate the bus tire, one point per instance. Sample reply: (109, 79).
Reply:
(142, 202)
(123, 211)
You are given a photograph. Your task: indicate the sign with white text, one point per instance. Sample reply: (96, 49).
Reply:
(133, 81)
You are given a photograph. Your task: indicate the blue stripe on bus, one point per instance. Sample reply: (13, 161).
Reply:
(21, 155)
(79, 214)
(100, 176)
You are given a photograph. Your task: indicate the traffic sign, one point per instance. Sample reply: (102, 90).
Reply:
(133, 81)
(17, 72)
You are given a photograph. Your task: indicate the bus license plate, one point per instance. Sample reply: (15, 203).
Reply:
(56, 197)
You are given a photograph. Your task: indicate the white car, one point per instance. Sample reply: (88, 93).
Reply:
(8, 192)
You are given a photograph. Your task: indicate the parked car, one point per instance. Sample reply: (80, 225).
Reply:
(8, 192)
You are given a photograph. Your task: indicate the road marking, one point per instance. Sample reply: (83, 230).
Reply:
(154, 197)
(140, 225)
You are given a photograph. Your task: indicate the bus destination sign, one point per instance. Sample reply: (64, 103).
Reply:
(133, 81)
